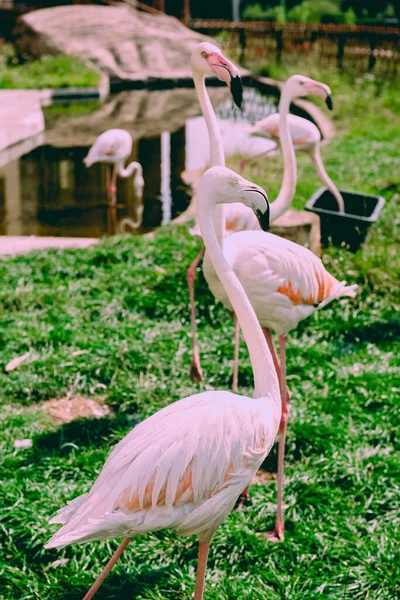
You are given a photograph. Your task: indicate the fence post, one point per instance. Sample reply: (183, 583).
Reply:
(372, 57)
(340, 51)
(279, 45)
(242, 41)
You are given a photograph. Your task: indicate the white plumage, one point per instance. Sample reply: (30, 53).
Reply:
(285, 282)
(113, 146)
(184, 467)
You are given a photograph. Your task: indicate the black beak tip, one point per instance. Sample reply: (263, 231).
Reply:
(237, 90)
(263, 219)
(329, 102)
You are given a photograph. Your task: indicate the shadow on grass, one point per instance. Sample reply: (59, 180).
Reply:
(80, 433)
(121, 585)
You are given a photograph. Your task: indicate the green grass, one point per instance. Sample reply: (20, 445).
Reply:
(342, 486)
(45, 72)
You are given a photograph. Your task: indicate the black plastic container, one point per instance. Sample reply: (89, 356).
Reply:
(349, 228)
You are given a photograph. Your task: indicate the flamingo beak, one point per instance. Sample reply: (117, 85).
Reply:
(321, 91)
(262, 214)
(328, 101)
(226, 71)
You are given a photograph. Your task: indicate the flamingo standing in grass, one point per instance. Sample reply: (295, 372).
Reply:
(306, 137)
(207, 60)
(184, 467)
(114, 147)
(285, 282)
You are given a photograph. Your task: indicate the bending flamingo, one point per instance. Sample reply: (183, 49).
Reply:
(114, 147)
(285, 282)
(306, 137)
(183, 467)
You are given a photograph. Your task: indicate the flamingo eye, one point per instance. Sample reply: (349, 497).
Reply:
(235, 181)
(204, 54)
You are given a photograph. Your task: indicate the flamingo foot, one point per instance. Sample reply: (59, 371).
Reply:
(276, 535)
(196, 373)
(242, 499)
(242, 165)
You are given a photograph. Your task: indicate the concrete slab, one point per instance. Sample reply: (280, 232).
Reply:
(22, 244)
(21, 116)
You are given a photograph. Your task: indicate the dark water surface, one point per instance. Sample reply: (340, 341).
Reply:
(49, 191)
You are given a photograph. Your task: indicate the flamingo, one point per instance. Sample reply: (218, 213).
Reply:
(207, 60)
(284, 282)
(232, 218)
(184, 467)
(114, 147)
(306, 137)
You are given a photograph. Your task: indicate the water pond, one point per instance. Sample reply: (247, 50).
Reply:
(46, 190)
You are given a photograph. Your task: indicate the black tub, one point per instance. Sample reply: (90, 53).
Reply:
(349, 228)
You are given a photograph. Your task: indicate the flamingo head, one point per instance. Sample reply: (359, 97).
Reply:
(223, 186)
(207, 59)
(300, 86)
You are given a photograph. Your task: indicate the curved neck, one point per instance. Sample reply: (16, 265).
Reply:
(127, 172)
(217, 157)
(288, 187)
(265, 378)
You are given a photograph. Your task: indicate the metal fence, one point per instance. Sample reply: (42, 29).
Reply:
(357, 49)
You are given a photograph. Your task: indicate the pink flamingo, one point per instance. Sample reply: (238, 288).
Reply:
(207, 60)
(184, 467)
(114, 147)
(306, 137)
(285, 282)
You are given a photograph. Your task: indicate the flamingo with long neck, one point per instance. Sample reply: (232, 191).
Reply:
(277, 208)
(306, 137)
(285, 282)
(184, 467)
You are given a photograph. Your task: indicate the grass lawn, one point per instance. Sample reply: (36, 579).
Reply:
(46, 72)
(125, 303)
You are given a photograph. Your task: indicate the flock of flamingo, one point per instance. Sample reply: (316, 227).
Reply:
(186, 466)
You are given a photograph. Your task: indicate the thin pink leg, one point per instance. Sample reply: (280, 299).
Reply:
(113, 187)
(245, 161)
(196, 374)
(107, 569)
(235, 376)
(277, 534)
(108, 184)
(204, 548)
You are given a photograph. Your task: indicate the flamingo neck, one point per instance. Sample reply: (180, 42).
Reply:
(265, 378)
(288, 187)
(127, 172)
(217, 157)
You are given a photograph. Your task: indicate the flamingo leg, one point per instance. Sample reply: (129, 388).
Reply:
(246, 161)
(277, 534)
(108, 184)
(204, 548)
(107, 569)
(235, 376)
(113, 187)
(196, 374)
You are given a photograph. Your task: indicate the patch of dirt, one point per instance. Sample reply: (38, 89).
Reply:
(262, 477)
(65, 410)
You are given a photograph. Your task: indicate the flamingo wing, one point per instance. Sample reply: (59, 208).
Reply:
(164, 471)
(285, 282)
(301, 130)
(114, 145)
